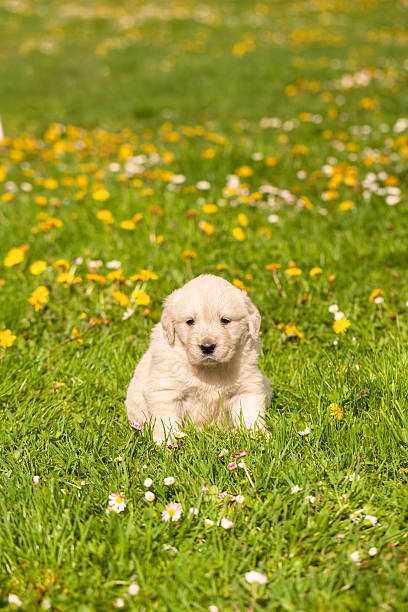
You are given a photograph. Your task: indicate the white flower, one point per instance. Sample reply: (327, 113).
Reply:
(193, 511)
(371, 519)
(212, 608)
(14, 599)
(149, 496)
(178, 179)
(169, 547)
(148, 482)
(119, 603)
(355, 556)
(257, 577)
(226, 524)
(310, 498)
(379, 300)
(304, 432)
(208, 523)
(46, 604)
(133, 588)
(223, 452)
(353, 476)
(179, 434)
(372, 551)
(273, 219)
(172, 512)
(116, 502)
(333, 308)
(170, 480)
(127, 314)
(36, 479)
(241, 464)
(295, 489)
(203, 185)
(339, 315)
(239, 499)
(357, 516)
(113, 265)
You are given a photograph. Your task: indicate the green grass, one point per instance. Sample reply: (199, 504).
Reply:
(120, 72)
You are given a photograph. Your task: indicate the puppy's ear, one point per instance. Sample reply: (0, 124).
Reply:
(254, 318)
(167, 323)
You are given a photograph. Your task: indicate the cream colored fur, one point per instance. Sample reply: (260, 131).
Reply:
(175, 380)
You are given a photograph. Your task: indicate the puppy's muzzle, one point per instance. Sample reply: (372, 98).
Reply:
(207, 348)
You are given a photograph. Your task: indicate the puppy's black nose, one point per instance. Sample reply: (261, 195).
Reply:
(207, 348)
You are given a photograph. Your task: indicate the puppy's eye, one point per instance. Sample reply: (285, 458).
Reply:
(225, 320)
(190, 322)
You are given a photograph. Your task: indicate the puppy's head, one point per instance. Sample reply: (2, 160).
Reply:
(210, 318)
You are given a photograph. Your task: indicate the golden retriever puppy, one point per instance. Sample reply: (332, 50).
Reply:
(201, 364)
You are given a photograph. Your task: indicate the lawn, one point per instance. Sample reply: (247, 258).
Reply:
(146, 143)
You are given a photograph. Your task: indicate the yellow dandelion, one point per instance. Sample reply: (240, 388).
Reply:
(6, 338)
(15, 256)
(50, 183)
(238, 233)
(128, 224)
(121, 298)
(100, 195)
(209, 209)
(341, 326)
(239, 284)
(61, 263)
(76, 335)
(292, 331)
(315, 271)
(159, 239)
(374, 294)
(115, 275)
(137, 217)
(105, 216)
(336, 411)
(273, 266)
(38, 267)
(243, 220)
(293, 271)
(190, 213)
(141, 297)
(347, 205)
(39, 298)
(188, 254)
(206, 227)
(222, 267)
(271, 161)
(244, 171)
(7, 197)
(97, 278)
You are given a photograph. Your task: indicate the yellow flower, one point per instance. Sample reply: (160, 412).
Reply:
(243, 220)
(209, 153)
(238, 283)
(128, 224)
(115, 275)
(137, 217)
(347, 205)
(100, 195)
(206, 227)
(15, 256)
(209, 209)
(191, 212)
(292, 330)
(222, 267)
(97, 278)
(188, 254)
(159, 239)
(7, 197)
(50, 183)
(38, 267)
(121, 298)
(273, 266)
(293, 271)
(300, 149)
(374, 294)
(315, 271)
(39, 298)
(244, 171)
(6, 338)
(141, 298)
(271, 161)
(61, 263)
(238, 233)
(341, 326)
(76, 336)
(105, 215)
(336, 411)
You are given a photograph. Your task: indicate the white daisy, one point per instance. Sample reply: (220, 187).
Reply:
(172, 512)
(257, 577)
(116, 502)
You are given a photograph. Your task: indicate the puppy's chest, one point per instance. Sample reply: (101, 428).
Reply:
(202, 401)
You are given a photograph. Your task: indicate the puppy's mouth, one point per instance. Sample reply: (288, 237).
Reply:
(208, 360)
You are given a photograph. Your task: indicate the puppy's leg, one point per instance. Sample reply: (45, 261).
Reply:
(166, 414)
(248, 410)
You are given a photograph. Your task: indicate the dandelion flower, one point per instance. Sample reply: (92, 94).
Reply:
(116, 502)
(100, 195)
(38, 267)
(172, 512)
(105, 216)
(315, 271)
(336, 411)
(238, 233)
(15, 256)
(6, 338)
(39, 298)
(341, 326)
(293, 271)
(255, 577)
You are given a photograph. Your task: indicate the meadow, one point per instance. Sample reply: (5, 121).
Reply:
(146, 143)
